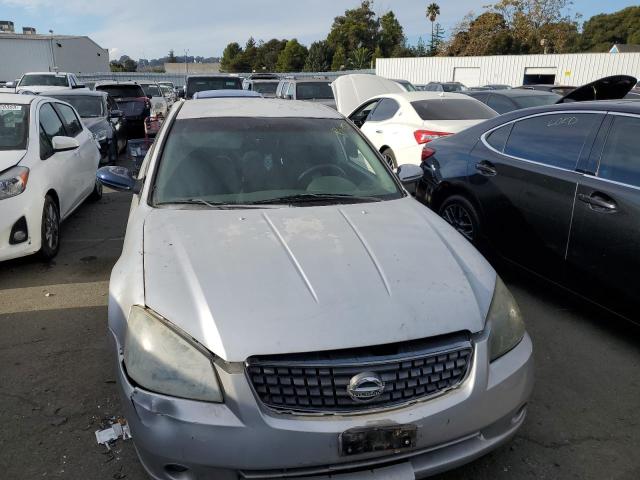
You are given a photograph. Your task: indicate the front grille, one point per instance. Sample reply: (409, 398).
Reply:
(319, 384)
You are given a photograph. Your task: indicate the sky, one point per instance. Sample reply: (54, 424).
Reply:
(150, 28)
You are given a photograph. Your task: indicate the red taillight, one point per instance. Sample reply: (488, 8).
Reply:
(427, 153)
(425, 136)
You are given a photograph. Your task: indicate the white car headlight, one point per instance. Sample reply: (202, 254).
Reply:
(505, 321)
(13, 182)
(162, 360)
(101, 135)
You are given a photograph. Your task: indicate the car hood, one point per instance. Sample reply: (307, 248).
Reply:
(285, 280)
(9, 158)
(352, 90)
(95, 124)
(41, 88)
(607, 88)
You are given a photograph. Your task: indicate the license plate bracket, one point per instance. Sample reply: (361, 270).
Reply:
(357, 441)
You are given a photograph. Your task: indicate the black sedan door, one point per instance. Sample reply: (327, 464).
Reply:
(604, 249)
(526, 185)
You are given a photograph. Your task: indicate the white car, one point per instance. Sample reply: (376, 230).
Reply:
(399, 123)
(48, 162)
(40, 82)
(159, 104)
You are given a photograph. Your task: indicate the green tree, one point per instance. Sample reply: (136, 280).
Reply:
(267, 54)
(319, 58)
(292, 58)
(249, 55)
(488, 34)
(601, 32)
(230, 57)
(433, 10)
(171, 58)
(360, 59)
(377, 54)
(391, 35)
(339, 61)
(357, 28)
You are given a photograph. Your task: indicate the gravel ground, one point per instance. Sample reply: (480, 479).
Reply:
(57, 386)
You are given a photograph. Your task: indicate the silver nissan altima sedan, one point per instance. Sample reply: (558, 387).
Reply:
(283, 308)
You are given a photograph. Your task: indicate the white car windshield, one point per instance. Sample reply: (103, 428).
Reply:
(243, 161)
(14, 126)
(44, 80)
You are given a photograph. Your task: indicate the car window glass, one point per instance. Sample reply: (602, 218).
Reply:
(291, 88)
(360, 116)
(500, 104)
(50, 126)
(498, 137)
(386, 109)
(452, 109)
(71, 121)
(14, 126)
(620, 159)
(555, 140)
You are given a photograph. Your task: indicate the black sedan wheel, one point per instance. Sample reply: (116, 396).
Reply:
(461, 215)
(50, 231)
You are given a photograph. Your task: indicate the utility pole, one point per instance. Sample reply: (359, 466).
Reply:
(186, 64)
(53, 53)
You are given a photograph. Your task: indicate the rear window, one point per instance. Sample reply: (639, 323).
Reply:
(452, 109)
(122, 91)
(536, 100)
(44, 80)
(314, 90)
(151, 90)
(202, 84)
(14, 126)
(268, 88)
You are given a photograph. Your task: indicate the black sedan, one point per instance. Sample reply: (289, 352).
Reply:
(503, 101)
(555, 189)
(101, 115)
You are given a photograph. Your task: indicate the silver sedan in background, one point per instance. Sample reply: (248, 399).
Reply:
(284, 308)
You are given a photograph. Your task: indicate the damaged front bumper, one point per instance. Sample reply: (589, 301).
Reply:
(184, 439)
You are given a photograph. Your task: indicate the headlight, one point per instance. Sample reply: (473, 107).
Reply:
(160, 359)
(101, 135)
(13, 182)
(505, 321)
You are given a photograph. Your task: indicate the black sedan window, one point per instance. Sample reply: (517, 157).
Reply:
(554, 140)
(621, 156)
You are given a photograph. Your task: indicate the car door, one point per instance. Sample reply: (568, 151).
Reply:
(84, 155)
(59, 166)
(603, 255)
(524, 174)
(379, 127)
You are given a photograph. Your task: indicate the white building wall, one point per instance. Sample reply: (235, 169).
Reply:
(570, 69)
(20, 54)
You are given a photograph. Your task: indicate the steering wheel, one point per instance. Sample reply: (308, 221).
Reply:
(323, 166)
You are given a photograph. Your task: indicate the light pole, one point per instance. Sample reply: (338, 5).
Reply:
(53, 53)
(186, 64)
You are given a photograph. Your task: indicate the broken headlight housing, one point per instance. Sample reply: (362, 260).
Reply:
(505, 322)
(161, 359)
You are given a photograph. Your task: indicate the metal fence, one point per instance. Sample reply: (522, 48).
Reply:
(179, 79)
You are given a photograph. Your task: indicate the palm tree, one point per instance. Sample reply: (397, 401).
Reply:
(433, 10)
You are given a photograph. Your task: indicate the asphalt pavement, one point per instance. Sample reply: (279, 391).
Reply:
(57, 384)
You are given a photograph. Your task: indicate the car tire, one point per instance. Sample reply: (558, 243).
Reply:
(50, 229)
(460, 213)
(390, 158)
(96, 195)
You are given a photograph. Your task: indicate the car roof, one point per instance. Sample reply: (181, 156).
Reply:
(248, 107)
(46, 73)
(80, 92)
(420, 95)
(213, 75)
(516, 92)
(16, 98)
(622, 106)
(227, 93)
(115, 82)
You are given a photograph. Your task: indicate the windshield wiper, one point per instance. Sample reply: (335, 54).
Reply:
(317, 198)
(200, 201)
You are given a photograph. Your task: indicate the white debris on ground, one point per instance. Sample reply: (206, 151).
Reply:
(118, 429)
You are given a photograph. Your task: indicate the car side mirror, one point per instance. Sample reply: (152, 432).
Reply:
(409, 174)
(149, 97)
(116, 114)
(118, 178)
(64, 144)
